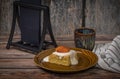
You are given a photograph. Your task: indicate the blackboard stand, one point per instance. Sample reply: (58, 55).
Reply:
(33, 34)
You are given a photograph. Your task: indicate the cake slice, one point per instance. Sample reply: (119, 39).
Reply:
(63, 56)
(61, 60)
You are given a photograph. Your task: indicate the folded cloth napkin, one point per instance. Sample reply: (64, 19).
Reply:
(109, 55)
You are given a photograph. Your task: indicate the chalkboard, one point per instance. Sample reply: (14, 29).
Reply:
(30, 23)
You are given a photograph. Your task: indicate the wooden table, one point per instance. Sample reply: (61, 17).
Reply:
(18, 64)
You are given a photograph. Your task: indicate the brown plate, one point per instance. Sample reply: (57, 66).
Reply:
(87, 59)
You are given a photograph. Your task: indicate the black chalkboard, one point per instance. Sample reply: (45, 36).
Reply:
(33, 28)
(30, 23)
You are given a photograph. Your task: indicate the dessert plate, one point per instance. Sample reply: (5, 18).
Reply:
(87, 59)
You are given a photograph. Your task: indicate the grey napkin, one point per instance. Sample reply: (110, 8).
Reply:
(109, 55)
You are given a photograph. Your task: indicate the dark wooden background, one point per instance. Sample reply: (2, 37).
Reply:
(101, 15)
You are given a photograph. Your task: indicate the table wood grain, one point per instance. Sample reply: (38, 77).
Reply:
(18, 64)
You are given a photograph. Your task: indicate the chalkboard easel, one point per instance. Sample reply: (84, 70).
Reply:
(28, 15)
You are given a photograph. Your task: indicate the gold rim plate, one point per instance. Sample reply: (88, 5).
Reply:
(87, 59)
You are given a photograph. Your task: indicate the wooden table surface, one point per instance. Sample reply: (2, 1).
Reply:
(19, 64)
